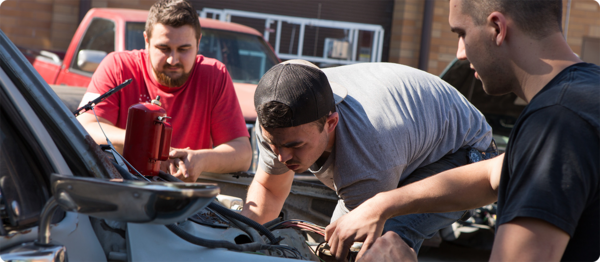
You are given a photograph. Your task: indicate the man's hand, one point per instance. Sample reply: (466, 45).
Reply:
(364, 223)
(184, 164)
(172, 165)
(390, 247)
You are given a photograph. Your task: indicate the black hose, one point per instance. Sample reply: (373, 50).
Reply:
(272, 222)
(254, 246)
(231, 214)
(228, 213)
(168, 177)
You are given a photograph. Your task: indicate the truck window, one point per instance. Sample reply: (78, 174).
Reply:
(134, 36)
(99, 36)
(247, 57)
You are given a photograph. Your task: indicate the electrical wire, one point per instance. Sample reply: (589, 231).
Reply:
(113, 148)
(314, 250)
(300, 224)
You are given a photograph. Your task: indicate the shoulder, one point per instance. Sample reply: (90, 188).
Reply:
(207, 64)
(127, 56)
(125, 61)
(576, 91)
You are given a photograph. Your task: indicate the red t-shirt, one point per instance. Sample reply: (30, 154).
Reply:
(204, 111)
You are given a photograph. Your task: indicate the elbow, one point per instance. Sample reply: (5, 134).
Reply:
(244, 155)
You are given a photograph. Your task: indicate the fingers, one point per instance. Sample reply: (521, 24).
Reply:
(343, 247)
(330, 229)
(173, 166)
(164, 166)
(366, 245)
(179, 165)
(183, 168)
(339, 245)
(178, 153)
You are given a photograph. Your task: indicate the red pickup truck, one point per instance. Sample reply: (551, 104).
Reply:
(103, 30)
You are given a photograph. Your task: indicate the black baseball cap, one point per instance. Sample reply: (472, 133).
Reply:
(303, 87)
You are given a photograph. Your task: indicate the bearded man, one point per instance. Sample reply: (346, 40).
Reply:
(196, 92)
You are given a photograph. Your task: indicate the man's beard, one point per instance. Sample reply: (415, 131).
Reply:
(168, 81)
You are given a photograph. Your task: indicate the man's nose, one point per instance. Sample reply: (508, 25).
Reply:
(461, 53)
(284, 154)
(173, 58)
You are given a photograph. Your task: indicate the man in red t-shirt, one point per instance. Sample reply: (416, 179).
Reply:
(209, 132)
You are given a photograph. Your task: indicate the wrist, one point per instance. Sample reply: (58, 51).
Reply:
(382, 202)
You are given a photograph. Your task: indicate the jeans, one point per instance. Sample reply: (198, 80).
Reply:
(415, 228)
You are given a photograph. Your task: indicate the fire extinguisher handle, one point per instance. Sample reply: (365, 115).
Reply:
(165, 142)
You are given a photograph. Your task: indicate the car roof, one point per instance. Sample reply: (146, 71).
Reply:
(135, 15)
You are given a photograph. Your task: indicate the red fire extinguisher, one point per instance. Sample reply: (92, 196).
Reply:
(147, 137)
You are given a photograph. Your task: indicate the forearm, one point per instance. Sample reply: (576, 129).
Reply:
(233, 156)
(115, 134)
(461, 188)
(261, 204)
(266, 196)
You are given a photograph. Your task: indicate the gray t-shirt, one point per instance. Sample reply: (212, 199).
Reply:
(394, 120)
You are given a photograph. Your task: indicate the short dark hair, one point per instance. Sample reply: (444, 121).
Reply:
(175, 13)
(538, 18)
(274, 114)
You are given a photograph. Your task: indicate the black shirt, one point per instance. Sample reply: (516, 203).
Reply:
(551, 169)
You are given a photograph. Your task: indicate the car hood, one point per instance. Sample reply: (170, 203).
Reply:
(245, 95)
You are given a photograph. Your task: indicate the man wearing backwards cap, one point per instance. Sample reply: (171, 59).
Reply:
(361, 129)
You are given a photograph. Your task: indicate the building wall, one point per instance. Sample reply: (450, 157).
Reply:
(584, 23)
(44, 24)
(50, 24)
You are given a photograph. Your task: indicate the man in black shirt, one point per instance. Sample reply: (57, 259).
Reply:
(547, 183)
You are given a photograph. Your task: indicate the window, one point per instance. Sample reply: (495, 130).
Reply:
(134, 36)
(99, 37)
(247, 57)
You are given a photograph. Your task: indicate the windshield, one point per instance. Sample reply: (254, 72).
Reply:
(247, 57)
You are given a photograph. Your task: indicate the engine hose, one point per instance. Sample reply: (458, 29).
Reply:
(228, 213)
(231, 214)
(254, 246)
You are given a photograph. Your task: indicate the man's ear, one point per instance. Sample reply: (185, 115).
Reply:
(147, 43)
(332, 121)
(497, 22)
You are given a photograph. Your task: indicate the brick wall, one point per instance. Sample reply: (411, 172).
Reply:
(28, 22)
(584, 21)
(50, 24)
(406, 32)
